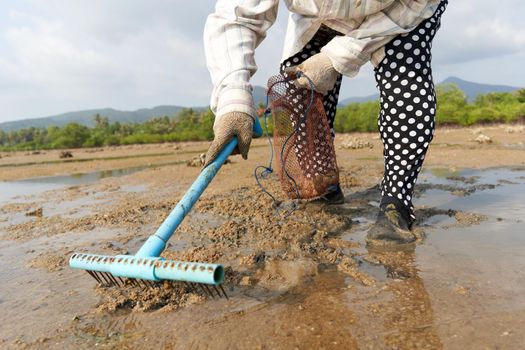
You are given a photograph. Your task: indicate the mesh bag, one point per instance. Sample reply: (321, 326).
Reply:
(302, 142)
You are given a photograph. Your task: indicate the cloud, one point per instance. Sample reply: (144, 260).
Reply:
(44, 57)
(85, 55)
(58, 55)
(477, 30)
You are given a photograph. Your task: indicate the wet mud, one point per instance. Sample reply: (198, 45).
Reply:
(303, 281)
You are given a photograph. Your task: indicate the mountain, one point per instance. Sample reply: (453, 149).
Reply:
(259, 95)
(470, 89)
(349, 100)
(85, 117)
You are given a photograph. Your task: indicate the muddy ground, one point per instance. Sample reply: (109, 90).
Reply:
(306, 281)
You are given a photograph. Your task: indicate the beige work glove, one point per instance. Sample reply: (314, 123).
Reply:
(320, 70)
(225, 128)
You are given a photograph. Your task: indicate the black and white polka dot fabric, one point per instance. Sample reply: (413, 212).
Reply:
(408, 108)
(408, 103)
(320, 39)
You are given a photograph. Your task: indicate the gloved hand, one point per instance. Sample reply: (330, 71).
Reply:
(225, 128)
(320, 70)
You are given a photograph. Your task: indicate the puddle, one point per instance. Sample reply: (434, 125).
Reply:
(36, 300)
(17, 189)
(504, 201)
(10, 190)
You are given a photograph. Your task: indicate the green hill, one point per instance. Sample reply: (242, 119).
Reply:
(85, 117)
(471, 90)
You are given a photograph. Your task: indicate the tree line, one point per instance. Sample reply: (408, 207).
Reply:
(187, 125)
(190, 125)
(453, 109)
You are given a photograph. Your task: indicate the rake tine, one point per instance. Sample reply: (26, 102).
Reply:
(205, 291)
(194, 285)
(223, 292)
(116, 281)
(188, 285)
(98, 277)
(217, 290)
(113, 279)
(92, 275)
(121, 280)
(105, 278)
(209, 290)
(133, 282)
(143, 285)
(108, 276)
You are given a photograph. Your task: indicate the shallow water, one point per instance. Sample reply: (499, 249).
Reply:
(17, 189)
(463, 287)
(505, 201)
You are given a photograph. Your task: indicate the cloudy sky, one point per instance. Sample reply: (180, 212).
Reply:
(60, 55)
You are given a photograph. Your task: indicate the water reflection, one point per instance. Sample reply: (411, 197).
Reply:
(407, 317)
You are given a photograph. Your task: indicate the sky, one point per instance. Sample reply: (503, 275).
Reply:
(59, 55)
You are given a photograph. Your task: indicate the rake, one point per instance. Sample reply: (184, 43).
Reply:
(146, 268)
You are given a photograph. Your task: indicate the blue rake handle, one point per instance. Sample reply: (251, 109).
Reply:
(156, 243)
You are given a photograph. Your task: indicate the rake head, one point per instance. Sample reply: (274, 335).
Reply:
(146, 268)
(147, 272)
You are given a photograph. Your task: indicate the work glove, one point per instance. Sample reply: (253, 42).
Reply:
(225, 128)
(320, 70)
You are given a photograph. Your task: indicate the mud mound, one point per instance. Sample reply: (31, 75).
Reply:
(468, 219)
(167, 295)
(49, 261)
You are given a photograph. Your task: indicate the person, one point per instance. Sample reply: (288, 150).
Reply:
(325, 40)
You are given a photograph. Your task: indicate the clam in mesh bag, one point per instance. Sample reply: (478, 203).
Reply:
(303, 145)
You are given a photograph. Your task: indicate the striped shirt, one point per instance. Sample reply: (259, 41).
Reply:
(237, 27)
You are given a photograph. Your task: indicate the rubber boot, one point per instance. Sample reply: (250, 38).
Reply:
(334, 196)
(393, 225)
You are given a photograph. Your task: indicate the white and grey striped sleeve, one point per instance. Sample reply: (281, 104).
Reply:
(231, 35)
(360, 45)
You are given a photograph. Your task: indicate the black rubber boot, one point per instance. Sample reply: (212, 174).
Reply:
(392, 226)
(334, 196)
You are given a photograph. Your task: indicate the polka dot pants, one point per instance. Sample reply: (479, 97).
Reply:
(408, 109)
(408, 103)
